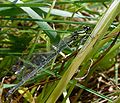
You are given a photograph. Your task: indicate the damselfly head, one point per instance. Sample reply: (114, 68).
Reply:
(86, 29)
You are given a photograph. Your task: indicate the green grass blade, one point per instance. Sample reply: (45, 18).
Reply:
(44, 25)
(97, 33)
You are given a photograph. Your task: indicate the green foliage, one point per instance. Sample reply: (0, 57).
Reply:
(20, 43)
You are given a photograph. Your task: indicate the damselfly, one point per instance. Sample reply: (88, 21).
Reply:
(42, 60)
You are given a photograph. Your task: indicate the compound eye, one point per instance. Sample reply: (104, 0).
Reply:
(86, 28)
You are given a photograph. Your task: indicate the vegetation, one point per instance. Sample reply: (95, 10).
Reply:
(85, 71)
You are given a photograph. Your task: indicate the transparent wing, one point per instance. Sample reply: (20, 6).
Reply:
(40, 60)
